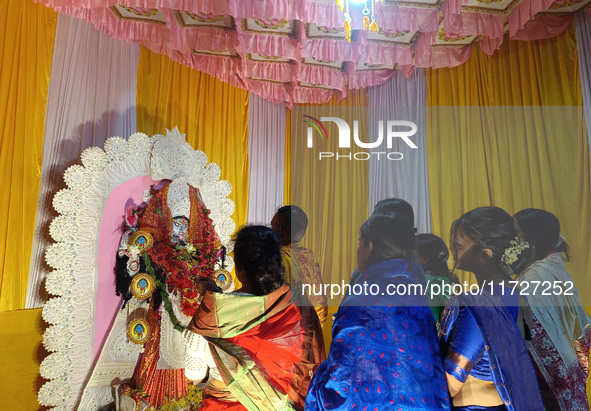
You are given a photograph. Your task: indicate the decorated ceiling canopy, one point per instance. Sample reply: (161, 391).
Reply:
(302, 51)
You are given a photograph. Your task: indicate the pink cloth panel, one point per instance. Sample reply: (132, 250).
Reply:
(107, 303)
(490, 45)
(334, 50)
(284, 72)
(178, 39)
(524, 11)
(324, 13)
(306, 94)
(366, 78)
(381, 54)
(445, 57)
(327, 77)
(543, 27)
(204, 39)
(269, 45)
(407, 18)
(222, 68)
(277, 93)
(473, 24)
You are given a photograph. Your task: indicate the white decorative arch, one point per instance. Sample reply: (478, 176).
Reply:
(79, 377)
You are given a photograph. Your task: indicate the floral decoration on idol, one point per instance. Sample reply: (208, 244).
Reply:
(77, 377)
(182, 262)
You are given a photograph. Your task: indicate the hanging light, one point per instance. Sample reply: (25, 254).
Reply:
(369, 15)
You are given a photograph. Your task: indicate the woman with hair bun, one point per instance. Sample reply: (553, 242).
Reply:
(485, 358)
(265, 343)
(558, 315)
(432, 254)
(384, 353)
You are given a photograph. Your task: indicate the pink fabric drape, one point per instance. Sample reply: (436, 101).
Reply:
(188, 32)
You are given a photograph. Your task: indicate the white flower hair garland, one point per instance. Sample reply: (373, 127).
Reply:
(516, 247)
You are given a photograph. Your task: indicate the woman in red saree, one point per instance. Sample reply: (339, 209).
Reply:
(265, 343)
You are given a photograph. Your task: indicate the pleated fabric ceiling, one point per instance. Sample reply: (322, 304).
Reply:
(301, 51)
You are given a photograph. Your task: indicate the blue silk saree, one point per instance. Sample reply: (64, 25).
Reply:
(384, 354)
(481, 339)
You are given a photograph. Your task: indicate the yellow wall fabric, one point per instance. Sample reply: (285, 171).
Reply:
(520, 73)
(491, 150)
(27, 32)
(334, 194)
(21, 353)
(213, 115)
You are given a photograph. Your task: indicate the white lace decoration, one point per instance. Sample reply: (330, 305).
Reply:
(195, 365)
(172, 344)
(178, 199)
(73, 382)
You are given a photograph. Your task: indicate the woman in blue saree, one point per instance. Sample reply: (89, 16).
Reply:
(384, 353)
(485, 357)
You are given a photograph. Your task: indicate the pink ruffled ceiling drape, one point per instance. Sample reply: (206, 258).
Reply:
(295, 51)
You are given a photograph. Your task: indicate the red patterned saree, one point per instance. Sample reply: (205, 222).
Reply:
(266, 349)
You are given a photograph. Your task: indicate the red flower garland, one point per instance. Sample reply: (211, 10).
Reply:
(183, 268)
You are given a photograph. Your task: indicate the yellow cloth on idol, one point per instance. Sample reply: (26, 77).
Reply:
(302, 268)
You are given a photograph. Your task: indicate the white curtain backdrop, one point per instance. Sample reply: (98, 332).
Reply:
(266, 151)
(583, 24)
(92, 96)
(401, 99)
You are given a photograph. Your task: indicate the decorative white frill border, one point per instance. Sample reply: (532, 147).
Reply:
(73, 257)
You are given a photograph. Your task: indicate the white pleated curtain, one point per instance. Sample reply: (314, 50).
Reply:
(266, 151)
(92, 96)
(583, 25)
(401, 99)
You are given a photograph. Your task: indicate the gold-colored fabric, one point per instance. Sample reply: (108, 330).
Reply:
(27, 32)
(473, 392)
(302, 268)
(510, 148)
(461, 362)
(270, 368)
(240, 312)
(21, 354)
(334, 194)
(213, 115)
(162, 385)
(246, 382)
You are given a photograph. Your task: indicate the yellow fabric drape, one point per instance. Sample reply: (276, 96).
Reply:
(26, 50)
(21, 353)
(213, 115)
(513, 157)
(334, 194)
